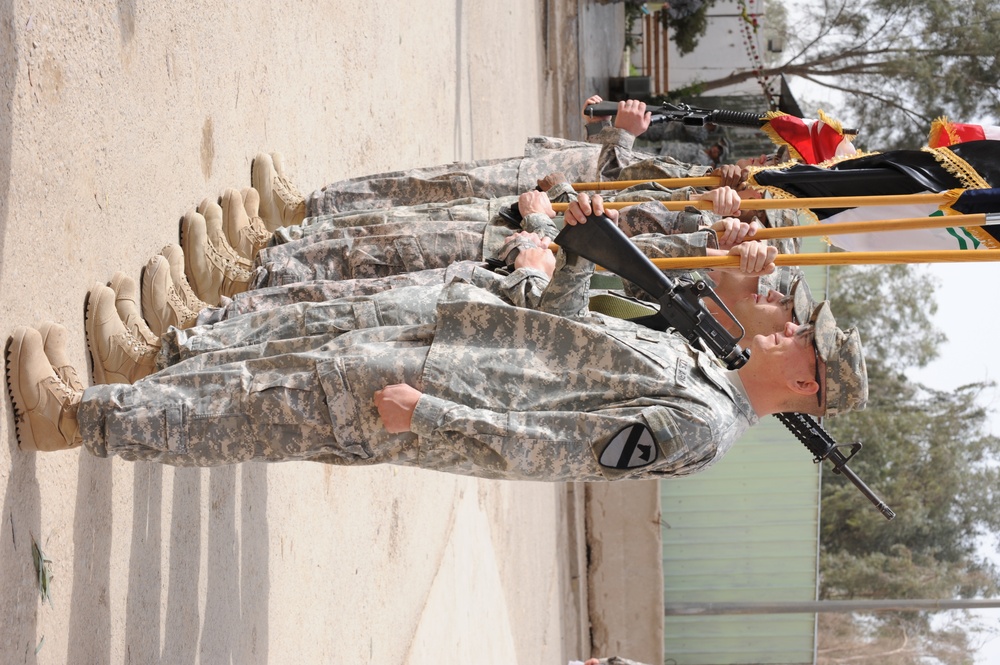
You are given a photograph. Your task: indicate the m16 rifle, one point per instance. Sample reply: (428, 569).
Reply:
(690, 115)
(682, 308)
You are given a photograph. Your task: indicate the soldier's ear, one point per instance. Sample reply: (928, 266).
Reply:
(803, 386)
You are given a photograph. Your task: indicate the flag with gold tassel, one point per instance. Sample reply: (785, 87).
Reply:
(809, 141)
(969, 165)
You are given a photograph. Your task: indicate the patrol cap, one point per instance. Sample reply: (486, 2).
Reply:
(791, 283)
(804, 306)
(846, 386)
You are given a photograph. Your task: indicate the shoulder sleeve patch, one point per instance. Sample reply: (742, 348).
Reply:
(631, 448)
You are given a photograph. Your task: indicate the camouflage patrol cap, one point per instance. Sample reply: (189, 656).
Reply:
(781, 280)
(846, 385)
(804, 306)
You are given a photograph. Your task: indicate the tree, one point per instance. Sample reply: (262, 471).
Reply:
(896, 641)
(927, 452)
(688, 21)
(899, 64)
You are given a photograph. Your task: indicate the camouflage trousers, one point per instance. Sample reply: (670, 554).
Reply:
(523, 288)
(371, 251)
(483, 179)
(460, 210)
(295, 383)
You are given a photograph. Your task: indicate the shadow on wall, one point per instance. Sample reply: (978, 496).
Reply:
(9, 60)
(20, 521)
(166, 600)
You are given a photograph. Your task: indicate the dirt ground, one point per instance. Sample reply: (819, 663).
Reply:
(116, 117)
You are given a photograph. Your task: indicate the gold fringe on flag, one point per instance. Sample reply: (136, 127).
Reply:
(969, 177)
(776, 137)
(940, 128)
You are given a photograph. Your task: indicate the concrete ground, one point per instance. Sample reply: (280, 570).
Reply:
(116, 117)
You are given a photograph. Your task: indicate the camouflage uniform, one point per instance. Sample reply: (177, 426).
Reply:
(522, 287)
(609, 157)
(554, 394)
(341, 248)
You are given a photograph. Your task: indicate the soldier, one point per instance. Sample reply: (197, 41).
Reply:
(609, 156)
(384, 249)
(448, 378)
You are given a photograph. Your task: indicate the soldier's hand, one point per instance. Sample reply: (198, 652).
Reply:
(633, 117)
(551, 180)
(395, 406)
(534, 238)
(586, 205)
(731, 231)
(537, 258)
(725, 200)
(535, 202)
(756, 257)
(731, 175)
(593, 99)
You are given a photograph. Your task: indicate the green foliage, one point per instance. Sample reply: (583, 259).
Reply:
(892, 307)
(687, 28)
(927, 452)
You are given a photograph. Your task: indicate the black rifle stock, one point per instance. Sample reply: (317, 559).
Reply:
(681, 307)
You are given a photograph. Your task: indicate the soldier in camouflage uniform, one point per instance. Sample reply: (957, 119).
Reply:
(462, 382)
(609, 156)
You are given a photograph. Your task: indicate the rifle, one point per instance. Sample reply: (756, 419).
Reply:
(682, 308)
(690, 115)
(681, 301)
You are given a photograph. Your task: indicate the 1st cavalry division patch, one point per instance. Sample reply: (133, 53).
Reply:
(631, 448)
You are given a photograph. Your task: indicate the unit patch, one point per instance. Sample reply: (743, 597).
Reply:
(631, 448)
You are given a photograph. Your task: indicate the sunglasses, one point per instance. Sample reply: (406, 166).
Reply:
(811, 333)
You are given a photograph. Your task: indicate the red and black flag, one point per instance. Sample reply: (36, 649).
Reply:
(969, 165)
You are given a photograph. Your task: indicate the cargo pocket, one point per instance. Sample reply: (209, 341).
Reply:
(352, 418)
(373, 259)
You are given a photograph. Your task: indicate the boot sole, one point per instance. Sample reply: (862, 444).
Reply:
(97, 369)
(22, 424)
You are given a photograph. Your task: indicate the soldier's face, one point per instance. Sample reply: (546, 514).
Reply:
(763, 315)
(786, 351)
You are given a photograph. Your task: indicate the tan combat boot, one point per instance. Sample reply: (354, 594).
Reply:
(162, 304)
(175, 257)
(242, 225)
(118, 356)
(127, 305)
(54, 338)
(45, 407)
(212, 212)
(281, 203)
(212, 275)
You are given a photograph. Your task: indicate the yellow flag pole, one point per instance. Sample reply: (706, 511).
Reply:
(942, 198)
(669, 183)
(838, 258)
(837, 228)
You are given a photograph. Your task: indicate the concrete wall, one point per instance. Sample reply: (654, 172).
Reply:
(625, 572)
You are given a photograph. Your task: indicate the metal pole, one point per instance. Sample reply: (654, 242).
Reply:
(812, 607)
